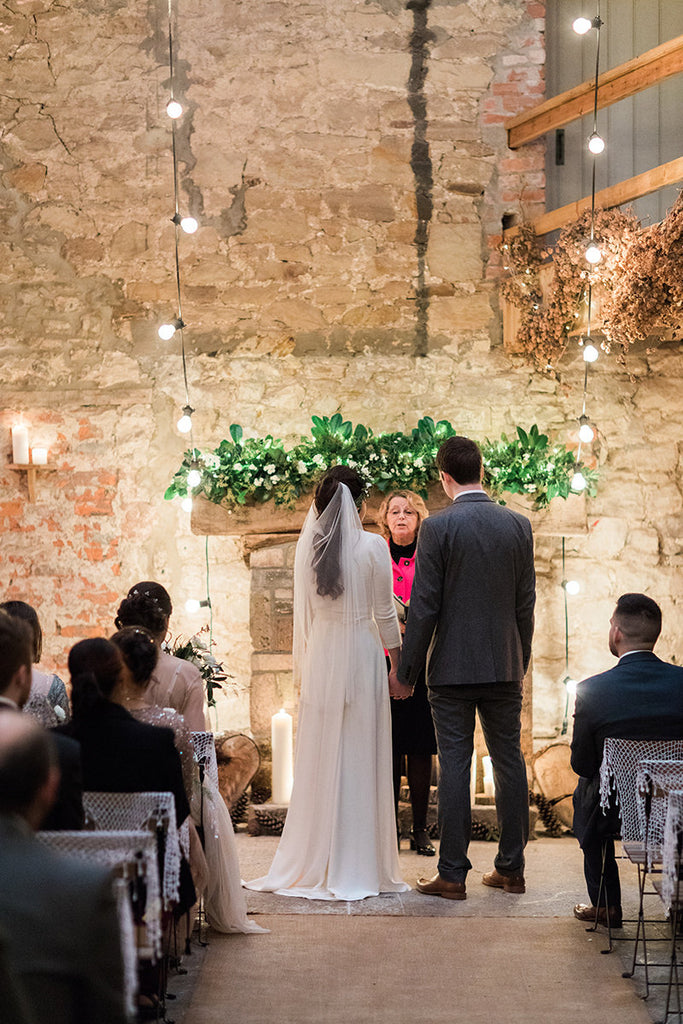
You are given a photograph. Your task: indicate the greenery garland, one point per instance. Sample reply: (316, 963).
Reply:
(253, 470)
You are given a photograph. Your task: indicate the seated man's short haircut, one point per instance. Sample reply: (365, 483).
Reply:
(460, 457)
(26, 756)
(16, 647)
(639, 618)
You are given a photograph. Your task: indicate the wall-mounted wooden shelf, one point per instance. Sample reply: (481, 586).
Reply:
(31, 471)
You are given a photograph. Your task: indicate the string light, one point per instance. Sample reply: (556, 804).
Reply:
(567, 588)
(596, 143)
(185, 422)
(582, 25)
(189, 225)
(167, 330)
(586, 432)
(192, 605)
(578, 482)
(186, 504)
(194, 478)
(572, 587)
(590, 354)
(174, 110)
(593, 254)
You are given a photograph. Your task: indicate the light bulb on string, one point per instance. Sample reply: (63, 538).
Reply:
(174, 109)
(189, 225)
(572, 587)
(186, 504)
(596, 143)
(184, 424)
(570, 685)
(582, 25)
(192, 605)
(593, 254)
(194, 478)
(590, 354)
(586, 432)
(167, 330)
(578, 481)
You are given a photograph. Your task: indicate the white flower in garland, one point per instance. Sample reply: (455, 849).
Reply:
(301, 467)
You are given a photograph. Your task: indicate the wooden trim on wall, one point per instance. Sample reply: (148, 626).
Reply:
(623, 192)
(617, 84)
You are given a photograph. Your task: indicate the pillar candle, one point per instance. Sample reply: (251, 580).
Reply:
(283, 759)
(20, 444)
(39, 456)
(489, 786)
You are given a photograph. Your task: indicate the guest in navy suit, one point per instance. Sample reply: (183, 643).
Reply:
(640, 698)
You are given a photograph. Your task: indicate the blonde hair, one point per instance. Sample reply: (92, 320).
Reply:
(415, 502)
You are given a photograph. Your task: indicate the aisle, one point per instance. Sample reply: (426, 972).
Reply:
(492, 959)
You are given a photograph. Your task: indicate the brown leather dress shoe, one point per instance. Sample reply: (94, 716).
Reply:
(508, 883)
(438, 886)
(585, 912)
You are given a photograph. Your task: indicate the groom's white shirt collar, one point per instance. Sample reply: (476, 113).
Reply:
(474, 490)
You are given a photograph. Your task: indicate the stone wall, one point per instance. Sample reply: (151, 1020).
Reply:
(347, 163)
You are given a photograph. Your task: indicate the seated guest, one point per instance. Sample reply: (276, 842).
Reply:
(640, 698)
(175, 683)
(118, 754)
(57, 915)
(225, 903)
(16, 646)
(45, 685)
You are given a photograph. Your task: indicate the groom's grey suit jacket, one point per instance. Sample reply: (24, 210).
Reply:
(472, 603)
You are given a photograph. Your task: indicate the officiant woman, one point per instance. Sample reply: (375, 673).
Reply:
(412, 730)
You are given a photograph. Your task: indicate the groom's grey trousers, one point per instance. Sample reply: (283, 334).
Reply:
(453, 709)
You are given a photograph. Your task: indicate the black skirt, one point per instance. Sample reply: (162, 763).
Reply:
(412, 728)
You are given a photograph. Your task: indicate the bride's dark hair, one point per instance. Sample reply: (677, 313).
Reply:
(327, 554)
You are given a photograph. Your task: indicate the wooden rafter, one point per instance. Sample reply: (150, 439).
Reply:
(623, 192)
(617, 84)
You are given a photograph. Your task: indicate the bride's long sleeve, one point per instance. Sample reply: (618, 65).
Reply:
(383, 606)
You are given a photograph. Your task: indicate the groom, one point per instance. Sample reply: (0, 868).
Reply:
(472, 618)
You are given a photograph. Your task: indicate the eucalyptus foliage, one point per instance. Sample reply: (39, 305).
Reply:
(253, 470)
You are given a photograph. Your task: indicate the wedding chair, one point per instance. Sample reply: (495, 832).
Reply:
(618, 776)
(205, 756)
(654, 780)
(153, 812)
(671, 890)
(132, 856)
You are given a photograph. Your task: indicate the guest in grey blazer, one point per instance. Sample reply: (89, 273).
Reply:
(57, 915)
(472, 619)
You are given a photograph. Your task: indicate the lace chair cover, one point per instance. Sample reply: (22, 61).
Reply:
(205, 754)
(133, 855)
(131, 811)
(657, 778)
(671, 857)
(618, 771)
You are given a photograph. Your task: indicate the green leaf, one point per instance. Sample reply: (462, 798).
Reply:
(236, 432)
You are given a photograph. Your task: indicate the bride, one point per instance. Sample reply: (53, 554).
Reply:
(339, 839)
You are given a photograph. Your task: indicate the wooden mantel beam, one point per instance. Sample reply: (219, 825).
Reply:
(617, 84)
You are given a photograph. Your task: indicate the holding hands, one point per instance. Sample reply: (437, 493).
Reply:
(397, 689)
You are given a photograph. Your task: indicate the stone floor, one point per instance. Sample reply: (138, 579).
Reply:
(408, 959)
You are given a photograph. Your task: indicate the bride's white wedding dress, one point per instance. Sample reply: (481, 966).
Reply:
(339, 839)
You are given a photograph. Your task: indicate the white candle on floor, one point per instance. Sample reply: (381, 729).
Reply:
(489, 786)
(283, 756)
(20, 445)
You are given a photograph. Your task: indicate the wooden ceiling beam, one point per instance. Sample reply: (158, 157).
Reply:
(607, 198)
(627, 79)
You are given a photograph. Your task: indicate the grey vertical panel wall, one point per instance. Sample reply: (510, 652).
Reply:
(640, 132)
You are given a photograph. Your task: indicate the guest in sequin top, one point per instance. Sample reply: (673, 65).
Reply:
(175, 683)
